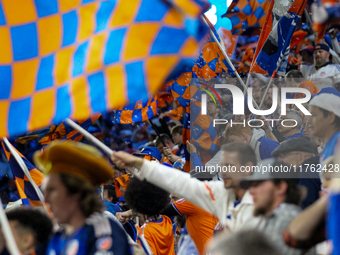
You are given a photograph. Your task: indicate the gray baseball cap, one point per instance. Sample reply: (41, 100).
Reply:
(268, 169)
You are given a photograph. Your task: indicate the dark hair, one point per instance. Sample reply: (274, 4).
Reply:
(89, 202)
(145, 197)
(295, 74)
(172, 123)
(111, 192)
(245, 152)
(178, 129)
(244, 242)
(293, 193)
(326, 113)
(165, 138)
(34, 221)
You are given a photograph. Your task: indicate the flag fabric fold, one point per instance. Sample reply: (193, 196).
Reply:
(26, 190)
(60, 132)
(70, 59)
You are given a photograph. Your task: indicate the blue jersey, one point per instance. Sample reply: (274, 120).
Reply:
(329, 147)
(334, 223)
(99, 235)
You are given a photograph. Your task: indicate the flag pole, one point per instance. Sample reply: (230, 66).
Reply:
(24, 168)
(12, 246)
(203, 17)
(95, 141)
(156, 130)
(90, 137)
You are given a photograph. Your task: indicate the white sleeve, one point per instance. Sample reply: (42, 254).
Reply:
(335, 45)
(336, 58)
(207, 195)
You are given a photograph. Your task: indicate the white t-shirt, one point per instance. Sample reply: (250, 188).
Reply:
(324, 77)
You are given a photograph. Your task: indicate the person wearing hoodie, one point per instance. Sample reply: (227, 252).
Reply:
(256, 138)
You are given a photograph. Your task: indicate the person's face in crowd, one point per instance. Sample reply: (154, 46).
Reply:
(269, 98)
(225, 97)
(173, 198)
(306, 57)
(237, 139)
(106, 196)
(230, 160)
(178, 139)
(257, 97)
(239, 118)
(290, 82)
(23, 237)
(321, 57)
(62, 205)
(256, 86)
(211, 109)
(287, 129)
(320, 123)
(160, 148)
(264, 193)
(308, 129)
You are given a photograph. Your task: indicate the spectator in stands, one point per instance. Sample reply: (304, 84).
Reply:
(176, 132)
(169, 144)
(74, 170)
(244, 243)
(325, 110)
(288, 127)
(149, 200)
(232, 205)
(276, 199)
(301, 153)
(294, 78)
(323, 73)
(256, 138)
(307, 55)
(30, 227)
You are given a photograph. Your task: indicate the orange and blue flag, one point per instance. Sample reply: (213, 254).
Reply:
(26, 190)
(60, 132)
(71, 59)
(210, 64)
(271, 56)
(140, 112)
(247, 15)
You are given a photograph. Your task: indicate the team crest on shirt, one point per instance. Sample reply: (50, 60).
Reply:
(104, 243)
(72, 247)
(180, 201)
(322, 74)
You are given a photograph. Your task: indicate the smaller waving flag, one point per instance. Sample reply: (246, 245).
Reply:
(60, 132)
(25, 188)
(274, 44)
(141, 111)
(210, 64)
(247, 15)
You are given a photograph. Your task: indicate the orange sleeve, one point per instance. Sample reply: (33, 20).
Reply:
(184, 207)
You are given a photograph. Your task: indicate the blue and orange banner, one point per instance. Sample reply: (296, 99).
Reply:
(71, 59)
(247, 15)
(140, 112)
(273, 49)
(26, 190)
(60, 132)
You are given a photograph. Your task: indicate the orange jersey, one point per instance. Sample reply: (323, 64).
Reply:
(200, 223)
(307, 84)
(159, 235)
